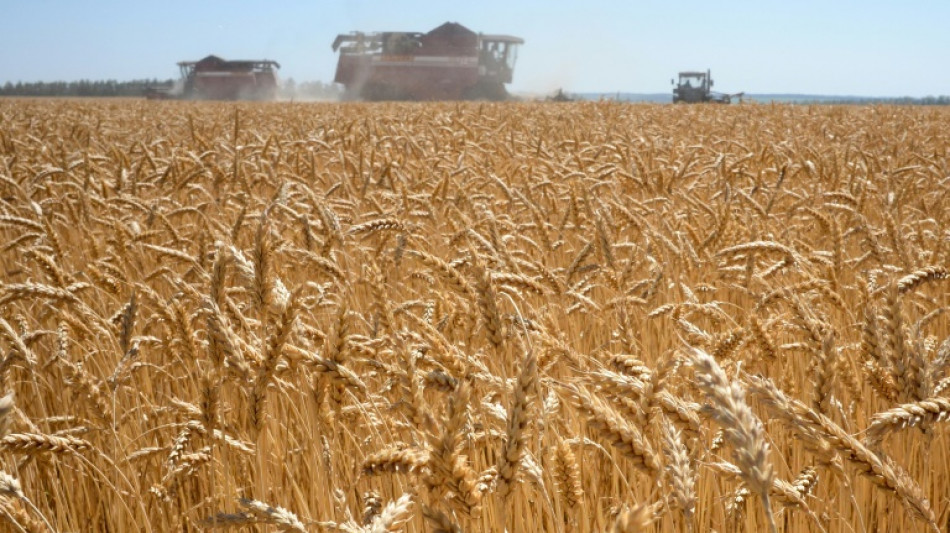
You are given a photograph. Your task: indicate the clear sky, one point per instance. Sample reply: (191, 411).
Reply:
(835, 47)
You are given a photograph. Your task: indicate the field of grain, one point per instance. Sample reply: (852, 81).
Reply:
(473, 317)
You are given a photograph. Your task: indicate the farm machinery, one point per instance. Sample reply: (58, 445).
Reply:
(214, 78)
(696, 87)
(450, 62)
(559, 96)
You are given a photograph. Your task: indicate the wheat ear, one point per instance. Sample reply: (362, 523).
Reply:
(743, 430)
(828, 438)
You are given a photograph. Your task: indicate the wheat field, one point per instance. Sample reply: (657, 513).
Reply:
(584, 317)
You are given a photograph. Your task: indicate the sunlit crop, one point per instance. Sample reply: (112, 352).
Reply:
(473, 317)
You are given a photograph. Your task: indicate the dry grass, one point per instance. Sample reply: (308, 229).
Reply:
(473, 317)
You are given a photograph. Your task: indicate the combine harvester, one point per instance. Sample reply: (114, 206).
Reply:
(450, 62)
(696, 87)
(214, 78)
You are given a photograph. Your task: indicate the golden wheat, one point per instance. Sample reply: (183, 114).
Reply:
(473, 317)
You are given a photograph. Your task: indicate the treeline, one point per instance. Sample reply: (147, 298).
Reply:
(289, 90)
(82, 88)
(309, 90)
(902, 100)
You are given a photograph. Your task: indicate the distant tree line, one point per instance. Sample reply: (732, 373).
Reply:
(901, 100)
(289, 90)
(90, 88)
(309, 90)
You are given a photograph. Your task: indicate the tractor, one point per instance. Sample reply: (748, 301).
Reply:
(696, 87)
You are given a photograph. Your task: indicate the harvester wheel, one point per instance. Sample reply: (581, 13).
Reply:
(379, 92)
(486, 91)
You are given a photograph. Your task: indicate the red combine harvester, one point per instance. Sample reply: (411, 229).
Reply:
(450, 62)
(214, 78)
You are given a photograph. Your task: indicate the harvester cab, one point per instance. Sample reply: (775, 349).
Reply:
(696, 87)
(497, 57)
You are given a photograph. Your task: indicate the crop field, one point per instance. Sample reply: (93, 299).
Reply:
(581, 317)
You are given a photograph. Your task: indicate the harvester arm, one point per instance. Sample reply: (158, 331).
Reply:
(358, 41)
(342, 38)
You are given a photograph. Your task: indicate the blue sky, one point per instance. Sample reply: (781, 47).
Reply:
(843, 47)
